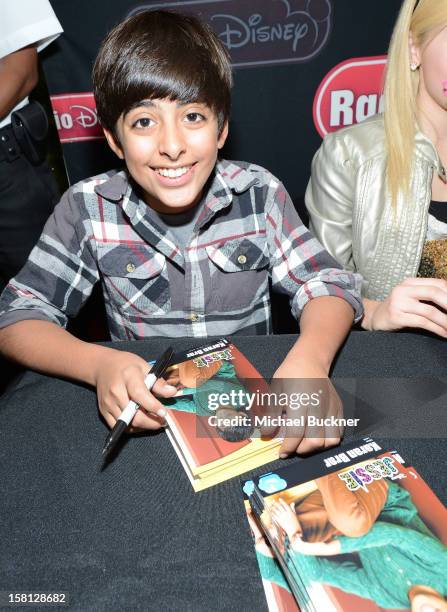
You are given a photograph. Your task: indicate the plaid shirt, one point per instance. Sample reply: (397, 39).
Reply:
(247, 235)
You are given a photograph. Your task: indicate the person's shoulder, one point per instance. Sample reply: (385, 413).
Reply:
(360, 142)
(367, 134)
(87, 198)
(107, 184)
(242, 175)
(25, 23)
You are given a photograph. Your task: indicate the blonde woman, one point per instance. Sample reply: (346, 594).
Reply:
(377, 197)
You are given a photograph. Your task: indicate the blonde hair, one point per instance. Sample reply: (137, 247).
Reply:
(422, 18)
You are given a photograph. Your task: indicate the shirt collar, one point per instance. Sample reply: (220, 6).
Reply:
(114, 188)
(238, 178)
(227, 178)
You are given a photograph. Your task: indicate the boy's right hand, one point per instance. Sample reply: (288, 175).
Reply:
(119, 378)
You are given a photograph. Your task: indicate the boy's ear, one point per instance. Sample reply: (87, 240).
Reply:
(113, 144)
(222, 136)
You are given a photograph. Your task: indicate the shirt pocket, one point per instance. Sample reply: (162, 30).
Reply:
(135, 278)
(238, 272)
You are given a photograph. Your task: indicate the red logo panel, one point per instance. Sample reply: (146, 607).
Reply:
(75, 117)
(349, 93)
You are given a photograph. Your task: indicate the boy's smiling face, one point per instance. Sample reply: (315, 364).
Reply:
(170, 150)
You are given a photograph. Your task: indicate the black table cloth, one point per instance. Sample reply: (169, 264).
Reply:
(135, 536)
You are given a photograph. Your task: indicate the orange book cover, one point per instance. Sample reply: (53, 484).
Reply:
(211, 416)
(368, 535)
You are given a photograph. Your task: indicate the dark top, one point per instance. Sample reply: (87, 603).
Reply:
(438, 210)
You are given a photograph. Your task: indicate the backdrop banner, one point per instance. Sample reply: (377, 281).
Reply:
(302, 68)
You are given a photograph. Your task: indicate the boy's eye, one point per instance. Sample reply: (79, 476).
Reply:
(194, 117)
(143, 122)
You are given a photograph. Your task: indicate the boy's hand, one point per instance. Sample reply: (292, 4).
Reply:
(324, 324)
(119, 378)
(311, 396)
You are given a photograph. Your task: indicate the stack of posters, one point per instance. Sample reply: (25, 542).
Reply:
(211, 420)
(350, 529)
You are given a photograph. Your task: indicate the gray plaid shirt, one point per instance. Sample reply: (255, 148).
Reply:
(247, 234)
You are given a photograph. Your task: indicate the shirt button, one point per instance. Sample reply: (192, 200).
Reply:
(130, 267)
(242, 259)
(194, 317)
(388, 558)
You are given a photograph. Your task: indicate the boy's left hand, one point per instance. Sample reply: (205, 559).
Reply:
(311, 396)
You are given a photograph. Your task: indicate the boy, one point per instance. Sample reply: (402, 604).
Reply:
(182, 244)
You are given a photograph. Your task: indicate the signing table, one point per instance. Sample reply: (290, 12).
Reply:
(134, 536)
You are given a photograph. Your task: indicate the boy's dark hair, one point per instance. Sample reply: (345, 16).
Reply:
(161, 54)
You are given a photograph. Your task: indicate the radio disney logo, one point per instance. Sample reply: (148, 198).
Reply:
(349, 93)
(260, 32)
(75, 117)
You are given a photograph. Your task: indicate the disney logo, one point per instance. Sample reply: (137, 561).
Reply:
(242, 33)
(257, 32)
(87, 117)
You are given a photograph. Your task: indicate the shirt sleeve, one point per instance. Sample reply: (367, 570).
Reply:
(25, 23)
(300, 267)
(406, 539)
(270, 570)
(352, 512)
(329, 199)
(60, 273)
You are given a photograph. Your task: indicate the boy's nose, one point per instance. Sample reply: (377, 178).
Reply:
(172, 142)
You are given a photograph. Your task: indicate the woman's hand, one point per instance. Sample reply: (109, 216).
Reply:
(426, 599)
(415, 302)
(285, 517)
